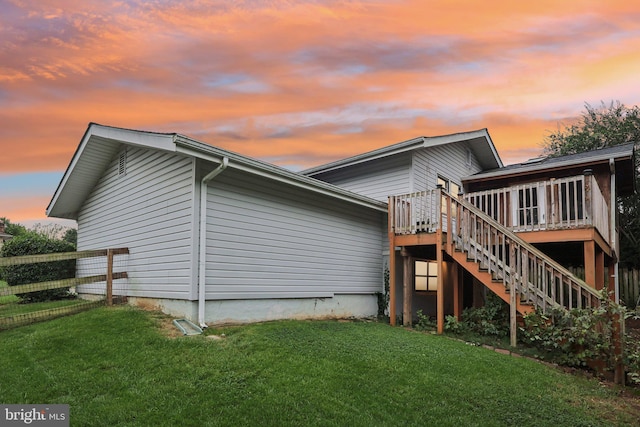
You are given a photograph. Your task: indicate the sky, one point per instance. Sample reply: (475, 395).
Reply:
(299, 83)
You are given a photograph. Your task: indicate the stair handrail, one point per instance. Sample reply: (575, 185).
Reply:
(518, 240)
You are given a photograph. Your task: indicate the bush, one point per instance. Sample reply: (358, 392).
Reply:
(492, 319)
(632, 348)
(32, 243)
(424, 323)
(575, 337)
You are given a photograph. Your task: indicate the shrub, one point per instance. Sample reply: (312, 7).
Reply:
(632, 349)
(575, 337)
(490, 319)
(383, 298)
(32, 243)
(424, 323)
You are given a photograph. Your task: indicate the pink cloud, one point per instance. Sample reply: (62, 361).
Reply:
(302, 83)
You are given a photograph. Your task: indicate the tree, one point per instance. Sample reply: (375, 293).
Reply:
(606, 126)
(71, 236)
(13, 229)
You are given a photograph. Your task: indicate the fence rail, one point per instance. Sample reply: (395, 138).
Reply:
(13, 310)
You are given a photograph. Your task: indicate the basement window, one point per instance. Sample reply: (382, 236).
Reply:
(426, 276)
(122, 163)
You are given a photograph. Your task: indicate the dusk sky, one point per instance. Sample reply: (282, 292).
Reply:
(299, 83)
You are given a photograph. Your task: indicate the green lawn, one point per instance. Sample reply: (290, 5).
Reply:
(9, 298)
(115, 366)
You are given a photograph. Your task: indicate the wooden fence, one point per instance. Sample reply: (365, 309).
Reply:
(15, 312)
(628, 282)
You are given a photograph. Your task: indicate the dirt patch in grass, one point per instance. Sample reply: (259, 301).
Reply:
(165, 324)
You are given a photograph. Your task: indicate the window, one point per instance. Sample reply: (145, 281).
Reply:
(528, 205)
(449, 186)
(426, 276)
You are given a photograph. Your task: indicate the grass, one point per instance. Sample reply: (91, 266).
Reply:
(116, 366)
(8, 299)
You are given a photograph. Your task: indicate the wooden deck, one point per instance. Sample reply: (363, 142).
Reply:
(495, 255)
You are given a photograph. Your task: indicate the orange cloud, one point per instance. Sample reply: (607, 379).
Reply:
(302, 83)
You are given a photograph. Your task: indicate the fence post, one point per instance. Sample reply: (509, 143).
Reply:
(109, 276)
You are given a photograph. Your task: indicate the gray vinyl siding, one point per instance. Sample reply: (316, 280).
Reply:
(269, 240)
(377, 179)
(448, 161)
(150, 211)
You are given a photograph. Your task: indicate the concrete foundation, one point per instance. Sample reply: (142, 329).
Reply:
(260, 310)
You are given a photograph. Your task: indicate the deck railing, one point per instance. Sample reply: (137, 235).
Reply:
(556, 204)
(416, 212)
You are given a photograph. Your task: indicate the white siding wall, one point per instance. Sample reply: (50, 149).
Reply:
(448, 161)
(150, 211)
(377, 179)
(269, 240)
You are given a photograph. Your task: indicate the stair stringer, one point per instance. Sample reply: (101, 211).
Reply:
(485, 278)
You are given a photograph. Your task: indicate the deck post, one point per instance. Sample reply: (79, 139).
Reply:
(456, 273)
(407, 286)
(392, 260)
(618, 348)
(439, 248)
(590, 263)
(599, 268)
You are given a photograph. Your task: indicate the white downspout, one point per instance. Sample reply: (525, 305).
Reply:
(202, 256)
(613, 230)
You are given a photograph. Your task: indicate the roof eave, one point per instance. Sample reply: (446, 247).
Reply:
(207, 152)
(409, 145)
(131, 137)
(542, 166)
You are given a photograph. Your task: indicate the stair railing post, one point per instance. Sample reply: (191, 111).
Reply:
(440, 281)
(512, 296)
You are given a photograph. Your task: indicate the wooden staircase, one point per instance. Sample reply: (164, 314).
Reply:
(513, 269)
(505, 262)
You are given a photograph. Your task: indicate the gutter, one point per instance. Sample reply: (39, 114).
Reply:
(613, 229)
(202, 261)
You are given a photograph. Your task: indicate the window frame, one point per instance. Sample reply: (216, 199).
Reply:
(430, 286)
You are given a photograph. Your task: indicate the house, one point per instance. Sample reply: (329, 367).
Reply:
(218, 237)
(487, 226)
(514, 230)
(409, 168)
(4, 236)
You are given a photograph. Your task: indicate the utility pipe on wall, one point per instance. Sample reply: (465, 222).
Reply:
(202, 256)
(613, 231)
